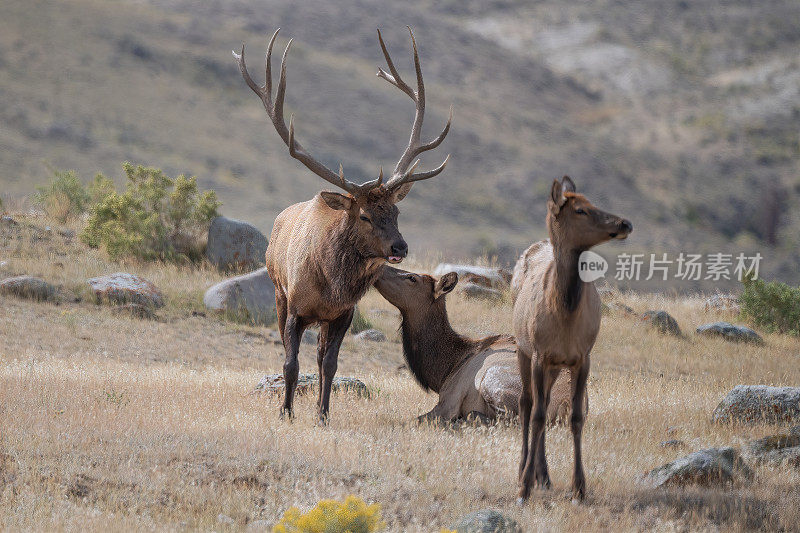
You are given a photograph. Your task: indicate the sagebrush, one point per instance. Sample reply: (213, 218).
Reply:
(352, 515)
(157, 217)
(64, 197)
(773, 305)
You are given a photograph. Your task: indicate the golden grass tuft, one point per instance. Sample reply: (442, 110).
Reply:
(109, 422)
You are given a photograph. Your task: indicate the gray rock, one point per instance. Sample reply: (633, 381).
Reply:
(662, 321)
(373, 335)
(310, 337)
(730, 332)
(474, 291)
(249, 297)
(673, 443)
(123, 288)
(274, 383)
(778, 449)
(7, 220)
(134, 310)
(224, 519)
(233, 244)
(756, 404)
(711, 467)
(486, 521)
(29, 287)
(617, 308)
(722, 302)
(496, 278)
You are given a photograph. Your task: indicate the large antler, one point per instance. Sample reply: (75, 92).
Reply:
(275, 112)
(404, 170)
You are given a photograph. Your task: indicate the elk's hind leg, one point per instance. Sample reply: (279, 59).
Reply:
(322, 342)
(295, 325)
(541, 475)
(335, 334)
(525, 405)
(537, 427)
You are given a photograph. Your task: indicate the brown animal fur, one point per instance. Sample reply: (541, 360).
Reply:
(325, 253)
(556, 320)
(471, 376)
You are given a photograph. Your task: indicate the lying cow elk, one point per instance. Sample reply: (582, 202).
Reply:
(556, 320)
(478, 377)
(324, 253)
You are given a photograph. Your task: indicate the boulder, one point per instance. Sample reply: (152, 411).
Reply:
(662, 322)
(249, 297)
(486, 521)
(373, 335)
(310, 336)
(274, 383)
(29, 287)
(493, 277)
(134, 310)
(617, 308)
(233, 244)
(722, 302)
(473, 291)
(711, 467)
(756, 404)
(728, 331)
(123, 288)
(777, 449)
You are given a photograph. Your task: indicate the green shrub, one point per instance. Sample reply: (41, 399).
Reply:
(64, 197)
(774, 306)
(330, 516)
(155, 218)
(360, 323)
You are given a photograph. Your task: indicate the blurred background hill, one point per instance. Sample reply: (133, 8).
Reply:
(681, 115)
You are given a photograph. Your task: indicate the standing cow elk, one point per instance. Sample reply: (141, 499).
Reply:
(556, 320)
(324, 253)
(471, 376)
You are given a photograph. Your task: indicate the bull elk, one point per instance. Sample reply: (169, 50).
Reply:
(556, 320)
(324, 253)
(471, 376)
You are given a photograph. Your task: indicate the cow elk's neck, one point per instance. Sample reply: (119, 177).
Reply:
(432, 348)
(567, 286)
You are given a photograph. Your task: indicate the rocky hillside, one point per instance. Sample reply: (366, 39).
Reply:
(679, 116)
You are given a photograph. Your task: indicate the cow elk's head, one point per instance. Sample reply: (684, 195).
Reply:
(411, 292)
(371, 206)
(574, 221)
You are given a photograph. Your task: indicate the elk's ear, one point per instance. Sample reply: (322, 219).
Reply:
(444, 284)
(567, 184)
(337, 201)
(401, 192)
(557, 198)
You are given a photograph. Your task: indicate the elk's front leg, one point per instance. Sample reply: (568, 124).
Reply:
(295, 326)
(579, 377)
(336, 330)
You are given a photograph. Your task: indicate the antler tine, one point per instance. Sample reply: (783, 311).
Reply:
(408, 177)
(393, 78)
(402, 173)
(275, 113)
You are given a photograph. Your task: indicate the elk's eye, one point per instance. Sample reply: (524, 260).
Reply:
(580, 211)
(365, 219)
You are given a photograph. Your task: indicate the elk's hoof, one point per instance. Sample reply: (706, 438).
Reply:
(286, 414)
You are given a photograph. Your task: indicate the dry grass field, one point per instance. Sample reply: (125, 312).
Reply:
(115, 423)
